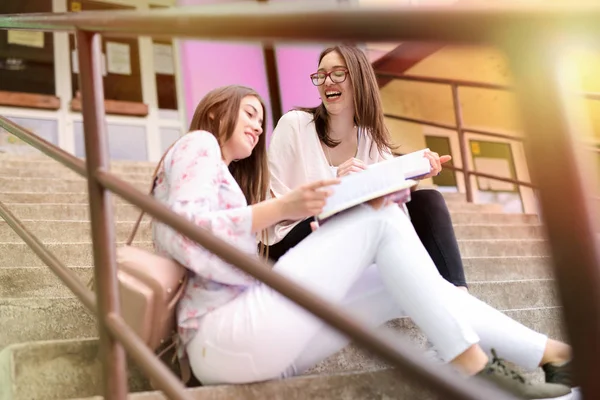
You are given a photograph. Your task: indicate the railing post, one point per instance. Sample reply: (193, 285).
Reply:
(462, 141)
(270, 58)
(552, 159)
(101, 211)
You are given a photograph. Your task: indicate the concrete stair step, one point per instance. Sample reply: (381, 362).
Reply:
(69, 212)
(60, 230)
(66, 174)
(34, 199)
(40, 281)
(56, 369)
(493, 218)
(51, 318)
(54, 185)
(74, 206)
(511, 295)
(70, 231)
(44, 162)
(364, 385)
(51, 167)
(70, 368)
(491, 231)
(451, 197)
(18, 254)
(27, 282)
(502, 247)
(48, 318)
(507, 268)
(458, 206)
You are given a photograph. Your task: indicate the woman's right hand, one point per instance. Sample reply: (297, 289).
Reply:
(307, 200)
(350, 166)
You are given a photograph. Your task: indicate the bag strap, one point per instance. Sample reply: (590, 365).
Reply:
(152, 186)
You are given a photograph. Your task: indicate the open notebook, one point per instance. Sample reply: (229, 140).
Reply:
(377, 180)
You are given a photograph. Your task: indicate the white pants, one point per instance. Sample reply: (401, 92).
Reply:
(372, 263)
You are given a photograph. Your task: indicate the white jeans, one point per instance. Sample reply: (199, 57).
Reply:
(262, 335)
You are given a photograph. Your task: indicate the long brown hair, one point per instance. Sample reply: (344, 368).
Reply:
(218, 114)
(368, 111)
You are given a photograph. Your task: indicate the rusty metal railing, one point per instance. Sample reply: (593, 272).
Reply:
(535, 64)
(459, 125)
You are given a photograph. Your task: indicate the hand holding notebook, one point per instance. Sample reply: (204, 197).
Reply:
(381, 179)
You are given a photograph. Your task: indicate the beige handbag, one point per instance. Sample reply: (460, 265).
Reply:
(150, 287)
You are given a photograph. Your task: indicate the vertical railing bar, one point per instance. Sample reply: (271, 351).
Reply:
(552, 160)
(270, 58)
(101, 211)
(154, 368)
(462, 141)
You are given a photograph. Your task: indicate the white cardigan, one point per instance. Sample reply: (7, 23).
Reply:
(296, 157)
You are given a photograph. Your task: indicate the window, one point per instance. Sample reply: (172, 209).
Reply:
(27, 59)
(494, 158)
(121, 65)
(164, 69)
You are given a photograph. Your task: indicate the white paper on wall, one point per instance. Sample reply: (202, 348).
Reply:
(26, 38)
(163, 59)
(75, 63)
(494, 166)
(118, 57)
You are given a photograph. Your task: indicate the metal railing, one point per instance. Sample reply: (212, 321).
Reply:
(460, 127)
(535, 64)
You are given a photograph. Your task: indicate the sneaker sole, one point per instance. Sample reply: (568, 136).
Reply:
(574, 395)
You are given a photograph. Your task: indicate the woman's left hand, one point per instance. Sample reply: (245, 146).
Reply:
(436, 162)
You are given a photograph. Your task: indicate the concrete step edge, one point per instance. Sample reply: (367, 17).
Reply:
(477, 284)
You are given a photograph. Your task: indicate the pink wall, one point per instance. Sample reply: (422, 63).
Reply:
(207, 65)
(295, 64)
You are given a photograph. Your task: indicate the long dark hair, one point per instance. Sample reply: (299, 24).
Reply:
(368, 111)
(218, 113)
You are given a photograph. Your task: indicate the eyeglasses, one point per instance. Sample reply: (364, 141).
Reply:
(337, 76)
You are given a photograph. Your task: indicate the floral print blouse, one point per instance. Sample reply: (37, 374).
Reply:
(196, 183)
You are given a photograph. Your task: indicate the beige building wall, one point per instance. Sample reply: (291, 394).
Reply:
(482, 108)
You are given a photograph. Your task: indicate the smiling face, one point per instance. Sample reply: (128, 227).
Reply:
(247, 131)
(336, 97)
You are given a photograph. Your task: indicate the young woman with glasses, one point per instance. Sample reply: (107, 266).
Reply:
(345, 134)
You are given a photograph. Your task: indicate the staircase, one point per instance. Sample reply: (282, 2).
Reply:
(48, 345)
